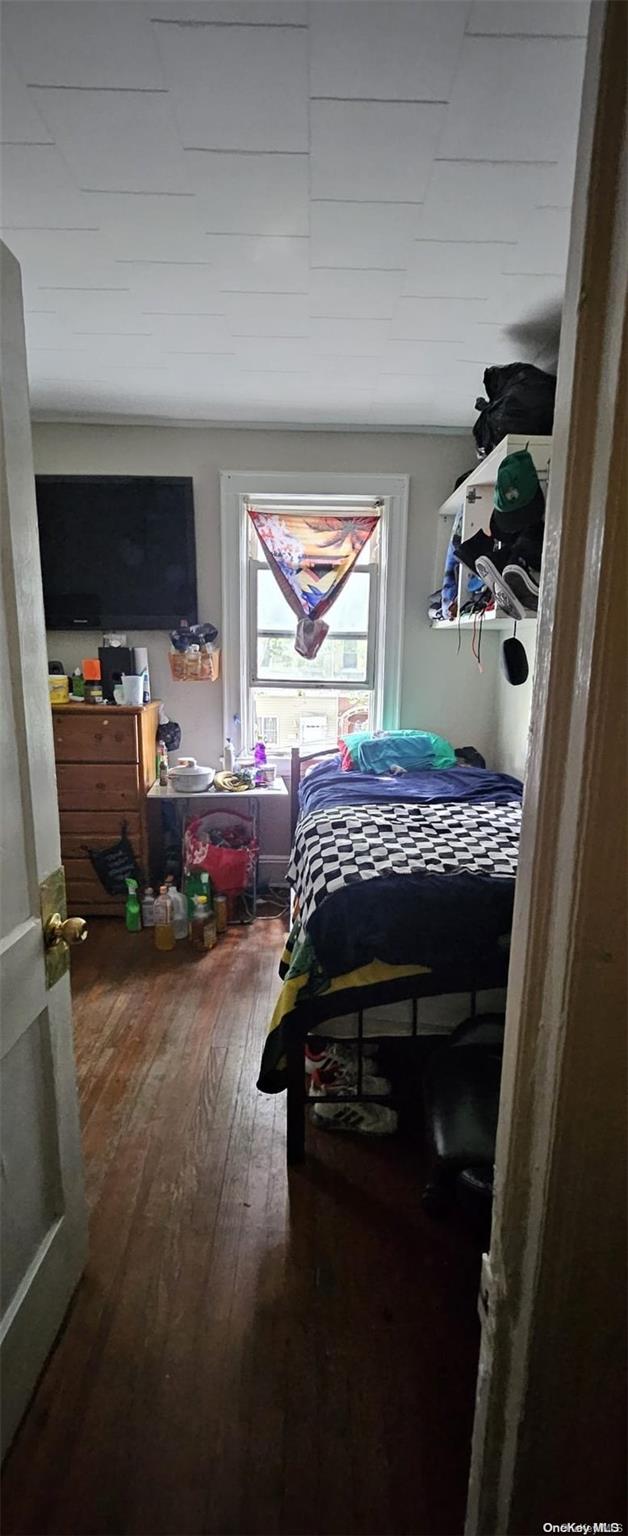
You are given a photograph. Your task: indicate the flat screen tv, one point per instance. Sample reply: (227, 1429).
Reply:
(117, 551)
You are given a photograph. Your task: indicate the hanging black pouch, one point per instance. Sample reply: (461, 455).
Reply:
(116, 864)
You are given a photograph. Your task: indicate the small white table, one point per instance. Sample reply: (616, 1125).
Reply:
(223, 799)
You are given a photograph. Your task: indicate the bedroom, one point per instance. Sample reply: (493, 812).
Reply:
(267, 252)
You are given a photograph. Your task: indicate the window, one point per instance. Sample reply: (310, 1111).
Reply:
(269, 691)
(308, 701)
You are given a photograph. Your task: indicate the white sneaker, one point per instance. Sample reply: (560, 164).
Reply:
(336, 1071)
(363, 1119)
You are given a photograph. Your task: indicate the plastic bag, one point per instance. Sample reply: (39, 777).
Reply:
(116, 864)
(520, 399)
(229, 866)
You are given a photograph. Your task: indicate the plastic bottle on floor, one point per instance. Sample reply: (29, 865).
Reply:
(132, 911)
(164, 925)
(180, 913)
(148, 908)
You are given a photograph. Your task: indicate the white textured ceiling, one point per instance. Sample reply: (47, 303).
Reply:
(277, 212)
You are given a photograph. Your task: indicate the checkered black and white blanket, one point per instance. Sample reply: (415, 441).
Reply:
(334, 849)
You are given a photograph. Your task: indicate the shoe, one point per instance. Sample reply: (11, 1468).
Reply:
(508, 603)
(490, 567)
(469, 551)
(337, 1053)
(524, 584)
(335, 1070)
(365, 1119)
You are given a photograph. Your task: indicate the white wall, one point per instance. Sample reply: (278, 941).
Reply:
(441, 689)
(512, 712)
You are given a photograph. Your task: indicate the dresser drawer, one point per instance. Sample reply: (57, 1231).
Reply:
(85, 826)
(98, 787)
(74, 844)
(101, 738)
(82, 883)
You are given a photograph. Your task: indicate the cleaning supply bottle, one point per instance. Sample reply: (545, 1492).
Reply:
(164, 925)
(132, 911)
(180, 912)
(229, 755)
(163, 766)
(148, 908)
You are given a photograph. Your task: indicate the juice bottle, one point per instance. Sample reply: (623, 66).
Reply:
(164, 926)
(198, 921)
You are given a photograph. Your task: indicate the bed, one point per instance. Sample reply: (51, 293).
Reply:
(403, 892)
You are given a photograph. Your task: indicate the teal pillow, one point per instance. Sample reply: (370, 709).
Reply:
(412, 750)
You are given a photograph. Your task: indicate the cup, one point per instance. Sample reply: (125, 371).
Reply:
(132, 689)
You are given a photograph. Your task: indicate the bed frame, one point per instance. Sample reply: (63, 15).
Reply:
(409, 989)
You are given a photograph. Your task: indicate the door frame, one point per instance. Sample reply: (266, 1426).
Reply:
(547, 1440)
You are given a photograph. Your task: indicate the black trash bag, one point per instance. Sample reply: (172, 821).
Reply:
(116, 864)
(520, 398)
(170, 734)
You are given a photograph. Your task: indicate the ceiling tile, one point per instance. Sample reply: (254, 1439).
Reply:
(424, 358)
(63, 256)
(525, 18)
(148, 226)
(516, 299)
(187, 334)
(64, 43)
(173, 285)
(533, 86)
(37, 191)
(256, 263)
(392, 50)
(444, 269)
(435, 319)
(238, 87)
(483, 202)
(20, 122)
(486, 344)
(255, 314)
(116, 140)
(544, 243)
(347, 337)
(214, 13)
(373, 151)
(250, 194)
(353, 293)
(362, 234)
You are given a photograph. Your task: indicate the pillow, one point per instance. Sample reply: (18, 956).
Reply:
(409, 750)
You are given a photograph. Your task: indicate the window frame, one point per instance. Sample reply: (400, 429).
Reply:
(236, 488)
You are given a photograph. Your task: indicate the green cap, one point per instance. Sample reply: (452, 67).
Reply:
(517, 482)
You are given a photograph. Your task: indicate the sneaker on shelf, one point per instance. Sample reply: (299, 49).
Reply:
(524, 584)
(363, 1119)
(490, 567)
(508, 603)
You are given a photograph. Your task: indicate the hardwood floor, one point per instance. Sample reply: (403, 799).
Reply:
(245, 1353)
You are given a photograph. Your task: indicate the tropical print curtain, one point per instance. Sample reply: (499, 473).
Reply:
(311, 559)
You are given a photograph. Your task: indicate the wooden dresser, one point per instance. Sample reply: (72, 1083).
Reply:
(105, 757)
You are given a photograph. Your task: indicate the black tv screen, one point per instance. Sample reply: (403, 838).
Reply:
(117, 550)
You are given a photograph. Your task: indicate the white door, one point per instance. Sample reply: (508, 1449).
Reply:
(43, 1217)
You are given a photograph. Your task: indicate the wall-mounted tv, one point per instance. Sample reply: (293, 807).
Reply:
(117, 551)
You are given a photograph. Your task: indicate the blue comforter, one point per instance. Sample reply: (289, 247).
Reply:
(328, 786)
(425, 919)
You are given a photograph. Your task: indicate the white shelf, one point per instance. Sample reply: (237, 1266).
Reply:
(489, 621)
(485, 472)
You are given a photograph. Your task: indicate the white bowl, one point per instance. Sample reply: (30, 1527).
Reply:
(192, 780)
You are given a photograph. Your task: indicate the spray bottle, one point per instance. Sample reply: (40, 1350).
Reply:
(132, 911)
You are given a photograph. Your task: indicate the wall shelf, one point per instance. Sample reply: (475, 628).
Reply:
(474, 499)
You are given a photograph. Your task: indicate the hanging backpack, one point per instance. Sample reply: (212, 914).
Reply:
(520, 399)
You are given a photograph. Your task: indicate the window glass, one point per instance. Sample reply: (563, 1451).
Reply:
(349, 612)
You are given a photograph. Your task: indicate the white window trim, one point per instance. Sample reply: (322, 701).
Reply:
(393, 490)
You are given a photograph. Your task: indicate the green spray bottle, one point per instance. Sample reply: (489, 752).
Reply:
(132, 911)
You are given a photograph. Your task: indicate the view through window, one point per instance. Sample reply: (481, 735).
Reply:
(299, 703)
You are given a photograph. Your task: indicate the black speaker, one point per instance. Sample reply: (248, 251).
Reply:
(114, 660)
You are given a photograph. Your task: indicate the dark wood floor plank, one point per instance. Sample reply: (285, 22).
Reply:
(248, 1354)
